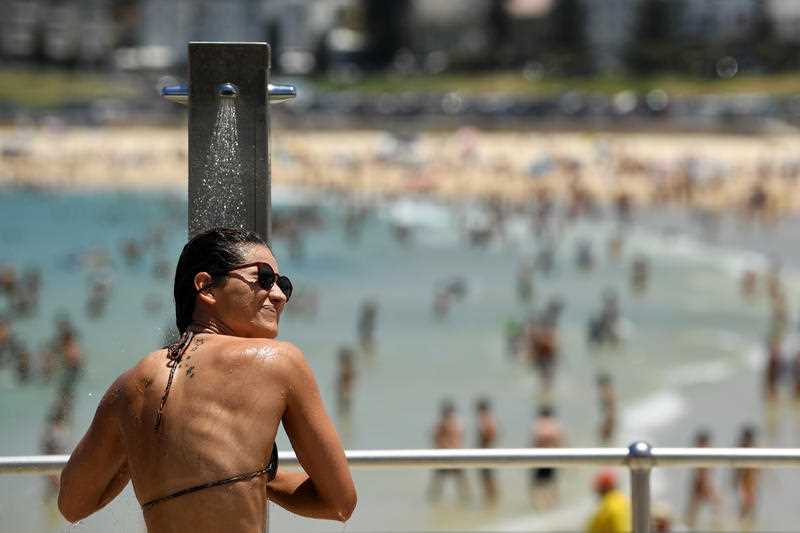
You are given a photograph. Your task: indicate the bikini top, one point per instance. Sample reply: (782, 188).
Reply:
(270, 470)
(175, 353)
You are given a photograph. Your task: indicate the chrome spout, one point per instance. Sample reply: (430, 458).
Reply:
(277, 93)
(227, 90)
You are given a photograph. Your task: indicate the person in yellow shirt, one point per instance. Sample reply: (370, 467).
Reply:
(613, 514)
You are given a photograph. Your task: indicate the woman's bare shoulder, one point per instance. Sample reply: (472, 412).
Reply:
(150, 362)
(139, 377)
(268, 349)
(271, 354)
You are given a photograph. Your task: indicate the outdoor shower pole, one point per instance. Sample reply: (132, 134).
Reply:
(246, 67)
(640, 462)
(237, 73)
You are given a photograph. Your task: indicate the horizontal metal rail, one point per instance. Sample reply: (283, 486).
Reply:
(502, 458)
(639, 458)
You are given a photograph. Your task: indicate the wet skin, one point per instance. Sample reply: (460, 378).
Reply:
(235, 384)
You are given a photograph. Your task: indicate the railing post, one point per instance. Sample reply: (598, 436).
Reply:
(640, 462)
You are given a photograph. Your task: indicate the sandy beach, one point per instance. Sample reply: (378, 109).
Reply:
(704, 170)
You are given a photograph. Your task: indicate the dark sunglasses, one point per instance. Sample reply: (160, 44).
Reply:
(267, 278)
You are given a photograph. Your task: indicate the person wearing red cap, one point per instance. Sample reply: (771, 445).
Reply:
(613, 513)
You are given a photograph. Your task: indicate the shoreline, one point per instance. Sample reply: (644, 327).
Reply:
(706, 171)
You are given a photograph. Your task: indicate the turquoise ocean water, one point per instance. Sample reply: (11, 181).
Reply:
(692, 352)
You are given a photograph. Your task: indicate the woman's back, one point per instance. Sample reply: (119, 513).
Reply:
(220, 420)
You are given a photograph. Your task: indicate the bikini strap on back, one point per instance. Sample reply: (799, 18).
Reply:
(271, 469)
(175, 353)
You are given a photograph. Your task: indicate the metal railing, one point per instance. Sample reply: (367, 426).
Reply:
(640, 458)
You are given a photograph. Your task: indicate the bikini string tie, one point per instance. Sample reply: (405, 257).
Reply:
(175, 353)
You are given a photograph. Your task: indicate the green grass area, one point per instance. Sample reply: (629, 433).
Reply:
(516, 83)
(52, 88)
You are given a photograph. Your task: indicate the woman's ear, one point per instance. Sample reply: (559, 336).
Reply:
(203, 283)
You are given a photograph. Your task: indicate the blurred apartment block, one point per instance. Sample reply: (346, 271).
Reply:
(337, 35)
(67, 33)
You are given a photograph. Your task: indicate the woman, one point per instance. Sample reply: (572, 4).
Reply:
(193, 425)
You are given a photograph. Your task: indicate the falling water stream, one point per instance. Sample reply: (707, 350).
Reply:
(221, 198)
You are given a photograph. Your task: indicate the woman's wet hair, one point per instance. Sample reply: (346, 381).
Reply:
(215, 251)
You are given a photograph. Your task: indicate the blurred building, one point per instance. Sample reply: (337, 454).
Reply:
(717, 21)
(61, 33)
(785, 17)
(609, 26)
(294, 28)
(449, 31)
(293, 31)
(300, 31)
(425, 35)
(165, 26)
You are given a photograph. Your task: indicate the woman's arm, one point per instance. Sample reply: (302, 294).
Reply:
(295, 492)
(97, 470)
(327, 491)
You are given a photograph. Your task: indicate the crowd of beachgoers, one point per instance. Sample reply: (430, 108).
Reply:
(56, 359)
(553, 179)
(535, 341)
(758, 174)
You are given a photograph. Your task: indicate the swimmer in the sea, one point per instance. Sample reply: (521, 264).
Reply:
(702, 489)
(607, 399)
(487, 435)
(545, 433)
(745, 480)
(448, 433)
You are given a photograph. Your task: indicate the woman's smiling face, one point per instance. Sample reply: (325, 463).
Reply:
(242, 304)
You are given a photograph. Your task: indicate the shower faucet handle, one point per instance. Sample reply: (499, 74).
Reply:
(176, 93)
(280, 93)
(276, 93)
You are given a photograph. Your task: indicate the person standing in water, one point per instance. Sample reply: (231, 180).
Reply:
(54, 441)
(747, 284)
(367, 318)
(773, 369)
(487, 435)
(448, 433)
(607, 399)
(745, 480)
(546, 433)
(193, 425)
(702, 488)
(346, 376)
(796, 375)
(525, 274)
(640, 273)
(541, 335)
